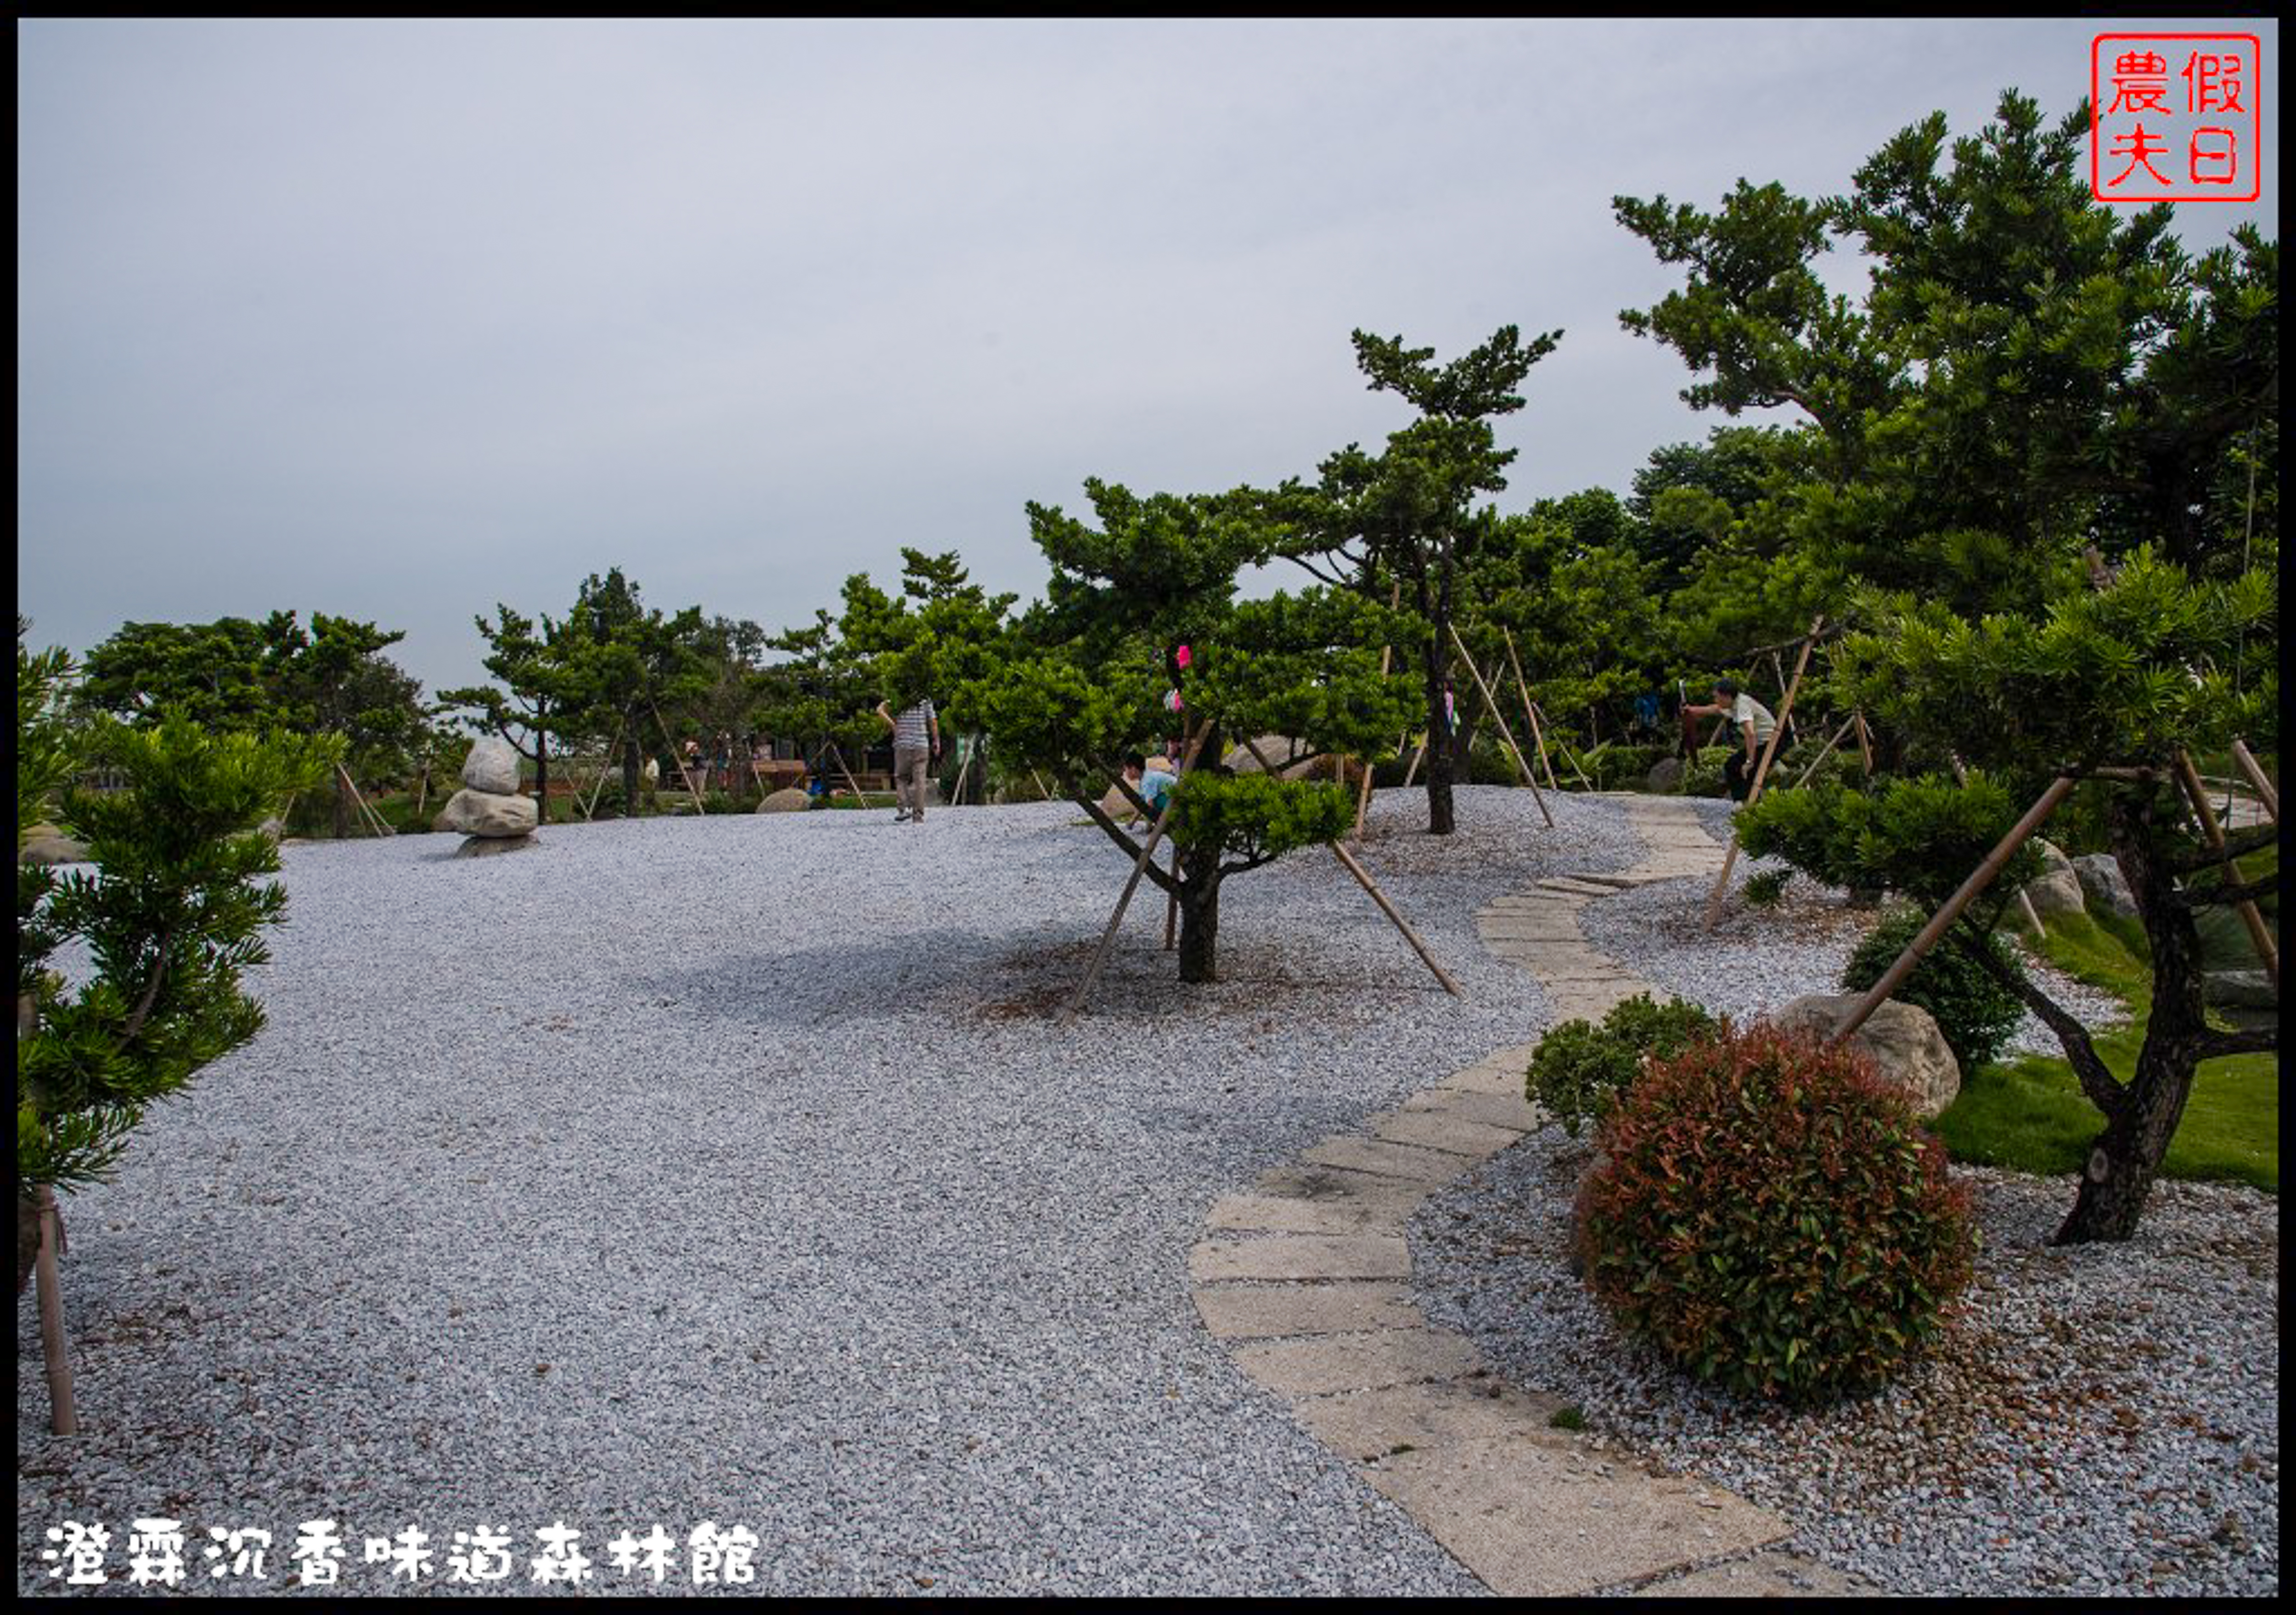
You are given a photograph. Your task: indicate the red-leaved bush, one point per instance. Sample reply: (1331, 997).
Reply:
(1771, 1215)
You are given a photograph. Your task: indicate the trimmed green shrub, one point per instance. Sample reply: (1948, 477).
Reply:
(1703, 776)
(1769, 1215)
(1580, 1067)
(1976, 1012)
(1767, 889)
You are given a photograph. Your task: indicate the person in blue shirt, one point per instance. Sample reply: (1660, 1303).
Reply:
(1153, 784)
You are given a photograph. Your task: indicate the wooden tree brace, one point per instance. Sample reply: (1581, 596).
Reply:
(1529, 708)
(2259, 934)
(1761, 771)
(1499, 718)
(1147, 850)
(671, 741)
(1980, 878)
(1363, 877)
(2258, 779)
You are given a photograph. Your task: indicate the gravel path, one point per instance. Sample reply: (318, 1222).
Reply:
(729, 1169)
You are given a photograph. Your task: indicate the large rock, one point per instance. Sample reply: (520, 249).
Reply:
(1665, 775)
(492, 767)
(484, 814)
(788, 801)
(48, 844)
(1274, 747)
(2240, 990)
(1117, 806)
(2104, 885)
(1902, 1039)
(483, 847)
(2056, 890)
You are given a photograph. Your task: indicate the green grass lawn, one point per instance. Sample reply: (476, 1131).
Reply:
(2029, 1116)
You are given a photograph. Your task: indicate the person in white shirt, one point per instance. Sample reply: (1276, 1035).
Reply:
(1755, 724)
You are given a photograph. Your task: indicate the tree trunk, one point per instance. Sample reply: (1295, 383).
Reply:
(1439, 747)
(630, 773)
(2127, 1155)
(1199, 918)
(541, 774)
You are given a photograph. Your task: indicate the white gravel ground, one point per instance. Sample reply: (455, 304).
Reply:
(730, 1169)
(734, 1170)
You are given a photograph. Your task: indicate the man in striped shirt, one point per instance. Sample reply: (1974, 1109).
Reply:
(916, 741)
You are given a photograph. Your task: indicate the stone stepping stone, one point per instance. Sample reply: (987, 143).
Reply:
(1244, 1312)
(1301, 1256)
(1576, 887)
(1531, 1523)
(1324, 1364)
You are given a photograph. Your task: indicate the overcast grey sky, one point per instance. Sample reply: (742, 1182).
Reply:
(401, 319)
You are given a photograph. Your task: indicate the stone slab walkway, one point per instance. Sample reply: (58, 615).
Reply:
(1307, 1277)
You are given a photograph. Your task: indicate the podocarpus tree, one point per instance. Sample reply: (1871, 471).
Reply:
(821, 695)
(2030, 373)
(941, 632)
(333, 679)
(1086, 677)
(626, 663)
(1409, 513)
(246, 676)
(539, 692)
(172, 915)
(2118, 686)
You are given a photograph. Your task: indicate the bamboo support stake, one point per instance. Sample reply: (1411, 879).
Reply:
(422, 795)
(2258, 933)
(372, 818)
(1778, 671)
(1584, 783)
(1172, 906)
(838, 752)
(1499, 718)
(671, 741)
(1363, 877)
(1822, 755)
(1982, 876)
(1386, 661)
(2024, 899)
(63, 1418)
(605, 768)
(1529, 709)
(1865, 741)
(1412, 772)
(2258, 779)
(1147, 851)
(1761, 773)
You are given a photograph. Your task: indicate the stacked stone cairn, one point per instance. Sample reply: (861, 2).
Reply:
(488, 809)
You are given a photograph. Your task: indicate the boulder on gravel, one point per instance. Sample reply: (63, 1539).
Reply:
(1274, 747)
(1665, 775)
(492, 767)
(791, 800)
(482, 846)
(484, 814)
(2104, 885)
(48, 844)
(1902, 1039)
